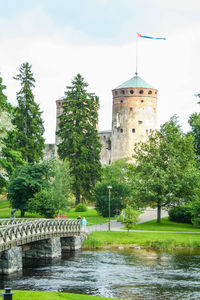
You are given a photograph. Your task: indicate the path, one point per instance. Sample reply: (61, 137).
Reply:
(149, 214)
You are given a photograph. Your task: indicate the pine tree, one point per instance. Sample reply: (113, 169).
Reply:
(27, 118)
(79, 137)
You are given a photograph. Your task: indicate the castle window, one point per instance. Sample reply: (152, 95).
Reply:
(121, 130)
(115, 92)
(121, 101)
(149, 92)
(142, 101)
(133, 130)
(132, 91)
(139, 122)
(122, 91)
(155, 93)
(141, 92)
(146, 131)
(131, 108)
(150, 130)
(59, 103)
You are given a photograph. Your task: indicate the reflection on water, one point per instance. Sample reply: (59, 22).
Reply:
(131, 274)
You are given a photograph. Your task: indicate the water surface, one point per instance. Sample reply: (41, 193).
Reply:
(130, 274)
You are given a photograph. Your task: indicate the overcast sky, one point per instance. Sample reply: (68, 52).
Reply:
(97, 38)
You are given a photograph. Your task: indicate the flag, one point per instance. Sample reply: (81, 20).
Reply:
(150, 37)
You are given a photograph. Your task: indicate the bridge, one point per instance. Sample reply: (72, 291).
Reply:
(36, 238)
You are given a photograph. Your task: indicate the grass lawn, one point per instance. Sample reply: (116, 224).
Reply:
(91, 215)
(166, 225)
(106, 239)
(5, 211)
(30, 295)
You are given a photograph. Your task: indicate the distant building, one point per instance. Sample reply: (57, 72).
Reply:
(134, 117)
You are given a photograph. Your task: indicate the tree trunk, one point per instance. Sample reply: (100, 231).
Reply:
(159, 213)
(22, 213)
(78, 197)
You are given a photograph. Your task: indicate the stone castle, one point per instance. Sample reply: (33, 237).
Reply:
(133, 119)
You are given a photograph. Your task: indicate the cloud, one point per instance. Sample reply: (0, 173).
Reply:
(58, 54)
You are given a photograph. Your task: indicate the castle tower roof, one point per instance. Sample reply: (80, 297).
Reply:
(135, 82)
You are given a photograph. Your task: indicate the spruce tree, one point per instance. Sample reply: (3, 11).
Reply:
(27, 118)
(9, 157)
(79, 137)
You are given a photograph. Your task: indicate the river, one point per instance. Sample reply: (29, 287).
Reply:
(131, 274)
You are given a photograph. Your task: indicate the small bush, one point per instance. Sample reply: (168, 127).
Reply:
(180, 214)
(196, 222)
(81, 207)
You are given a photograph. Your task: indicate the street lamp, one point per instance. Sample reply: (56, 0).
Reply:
(109, 188)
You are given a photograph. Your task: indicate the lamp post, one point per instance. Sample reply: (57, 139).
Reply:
(109, 192)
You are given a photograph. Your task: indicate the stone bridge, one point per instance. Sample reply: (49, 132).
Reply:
(36, 238)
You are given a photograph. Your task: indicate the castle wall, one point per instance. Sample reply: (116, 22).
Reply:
(49, 151)
(133, 120)
(105, 140)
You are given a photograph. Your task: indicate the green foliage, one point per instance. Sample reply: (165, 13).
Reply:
(81, 207)
(119, 194)
(9, 158)
(79, 137)
(165, 173)
(131, 217)
(56, 194)
(27, 182)
(27, 118)
(181, 213)
(194, 122)
(117, 171)
(4, 105)
(42, 203)
(195, 209)
(92, 243)
(61, 186)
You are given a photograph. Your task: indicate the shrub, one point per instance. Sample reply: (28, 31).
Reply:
(180, 214)
(196, 222)
(81, 207)
(131, 217)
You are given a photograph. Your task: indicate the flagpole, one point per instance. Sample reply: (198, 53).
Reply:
(136, 73)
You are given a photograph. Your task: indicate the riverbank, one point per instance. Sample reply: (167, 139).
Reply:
(153, 240)
(32, 295)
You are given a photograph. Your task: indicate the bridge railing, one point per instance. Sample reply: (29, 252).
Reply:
(12, 221)
(36, 229)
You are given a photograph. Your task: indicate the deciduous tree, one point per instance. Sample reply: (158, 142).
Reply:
(27, 182)
(166, 173)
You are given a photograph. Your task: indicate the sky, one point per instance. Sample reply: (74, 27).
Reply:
(97, 38)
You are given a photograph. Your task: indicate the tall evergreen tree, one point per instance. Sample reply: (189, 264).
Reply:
(9, 157)
(27, 118)
(194, 122)
(4, 105)
(79, 137)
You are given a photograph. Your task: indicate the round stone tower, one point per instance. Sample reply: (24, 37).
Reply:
(134, 115)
